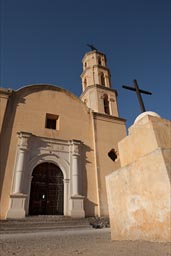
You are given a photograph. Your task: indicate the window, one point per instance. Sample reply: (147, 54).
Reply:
(85, 82)
(106, 104)
(99, 61)
(51, 121)
(112, 154)
(102, 77)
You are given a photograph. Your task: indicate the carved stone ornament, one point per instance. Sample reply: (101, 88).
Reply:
(23, 139)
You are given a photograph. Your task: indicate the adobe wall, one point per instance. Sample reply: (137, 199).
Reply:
(26, 112)
(108, 131)
(139, 192)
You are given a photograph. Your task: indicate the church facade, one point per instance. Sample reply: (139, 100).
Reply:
(56, 148)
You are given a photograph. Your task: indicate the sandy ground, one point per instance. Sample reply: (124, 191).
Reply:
(84, 242)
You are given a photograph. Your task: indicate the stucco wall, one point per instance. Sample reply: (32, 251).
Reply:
(144, 136)
(99, 133)
(108, 130)
(4, 94)
(139, 192)
(27, 112)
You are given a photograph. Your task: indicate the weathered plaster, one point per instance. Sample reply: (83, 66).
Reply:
(139, 192)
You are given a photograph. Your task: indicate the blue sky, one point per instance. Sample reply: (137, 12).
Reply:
(44, 41)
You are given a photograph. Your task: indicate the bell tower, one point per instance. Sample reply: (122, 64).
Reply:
(96, 84)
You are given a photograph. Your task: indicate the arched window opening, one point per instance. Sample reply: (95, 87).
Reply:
(106, 104)
(85, 64)
(99, 61)
(85, 83)
(102, 79)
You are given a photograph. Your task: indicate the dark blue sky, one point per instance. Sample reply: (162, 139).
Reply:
(43, 41)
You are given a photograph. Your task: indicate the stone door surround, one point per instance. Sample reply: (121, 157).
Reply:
(33, 150)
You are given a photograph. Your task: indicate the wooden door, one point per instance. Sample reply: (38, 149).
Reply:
(47, 190)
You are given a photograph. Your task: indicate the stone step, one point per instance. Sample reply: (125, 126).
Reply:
(38, 223)
(47, 218)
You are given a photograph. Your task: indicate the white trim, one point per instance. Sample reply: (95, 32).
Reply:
(37, 150)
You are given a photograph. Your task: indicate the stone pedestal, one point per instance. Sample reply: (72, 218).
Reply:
(139, 192)
(77, 206)
(18, 197)
(17, 207)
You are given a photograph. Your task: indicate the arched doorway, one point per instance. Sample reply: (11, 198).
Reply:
(47, 190)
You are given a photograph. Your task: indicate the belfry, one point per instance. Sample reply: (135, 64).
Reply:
(55, 147)
(96, 84)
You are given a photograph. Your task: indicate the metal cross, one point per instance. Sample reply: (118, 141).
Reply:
(138, 92)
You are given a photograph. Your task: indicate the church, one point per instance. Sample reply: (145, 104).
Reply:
(56, 149)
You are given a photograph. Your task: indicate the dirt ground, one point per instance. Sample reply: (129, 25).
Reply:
(84, 242)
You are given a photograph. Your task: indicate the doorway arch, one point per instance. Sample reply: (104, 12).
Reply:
(47, 190)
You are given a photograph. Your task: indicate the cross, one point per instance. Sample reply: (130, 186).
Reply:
(92, 47)
(138, 92)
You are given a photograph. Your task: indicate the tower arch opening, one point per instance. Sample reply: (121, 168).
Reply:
(99, 61)
(102, 78)
(106, 104)
(85, 83)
